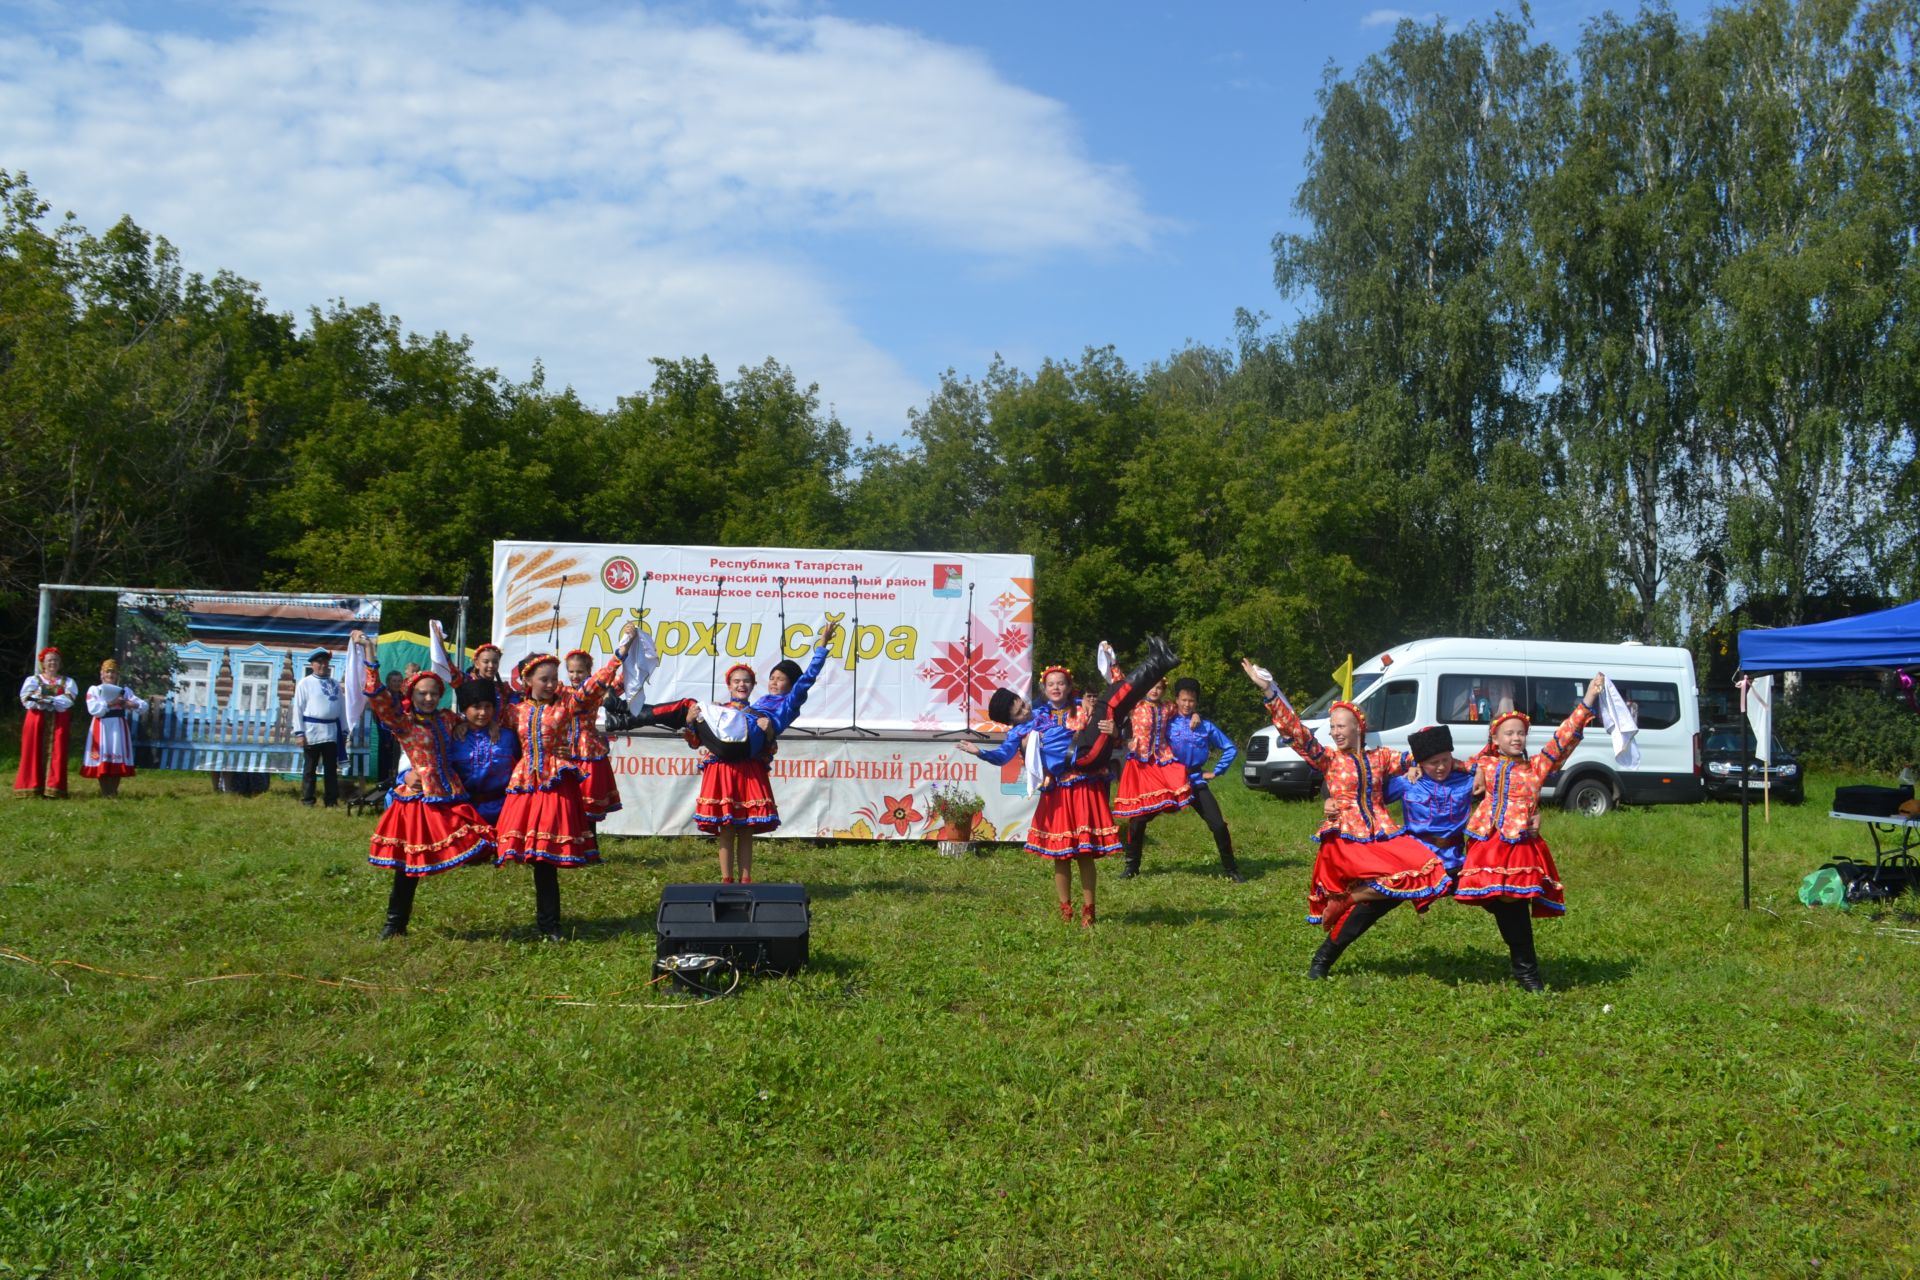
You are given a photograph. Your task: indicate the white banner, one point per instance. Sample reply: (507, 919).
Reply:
(935, 634)
(844, 788)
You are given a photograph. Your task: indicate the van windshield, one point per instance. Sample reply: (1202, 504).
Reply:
(1317, 709)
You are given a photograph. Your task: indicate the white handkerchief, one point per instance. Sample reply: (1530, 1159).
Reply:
(1104, 662)
(1033, 770)
(729, 724)
(1619, 721)
(643, 659)
(437, 654)
(354, 683)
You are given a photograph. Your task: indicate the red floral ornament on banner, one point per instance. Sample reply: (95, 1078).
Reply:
(948, 671)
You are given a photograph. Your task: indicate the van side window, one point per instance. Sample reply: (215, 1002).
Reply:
(1392, 705)
(1655, 705)
(1471, 699)
(1554, 698)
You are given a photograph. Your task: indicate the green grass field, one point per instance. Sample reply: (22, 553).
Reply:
(959, 1084)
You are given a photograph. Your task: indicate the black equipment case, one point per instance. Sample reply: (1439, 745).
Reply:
(758, 926)
(1870, 802)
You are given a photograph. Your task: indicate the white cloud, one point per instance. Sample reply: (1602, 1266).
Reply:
(1394, 17)
(590, 189)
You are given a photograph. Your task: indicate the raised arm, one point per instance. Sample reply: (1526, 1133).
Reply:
(1284, 719)
(1571, 730)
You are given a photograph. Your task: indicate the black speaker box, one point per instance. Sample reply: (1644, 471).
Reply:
(758, 926)
(1870, 802)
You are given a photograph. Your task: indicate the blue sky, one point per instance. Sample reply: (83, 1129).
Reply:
(869, 193)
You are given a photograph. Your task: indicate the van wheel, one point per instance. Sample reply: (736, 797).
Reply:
(1591, 796)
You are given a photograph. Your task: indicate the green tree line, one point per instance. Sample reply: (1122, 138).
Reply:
(1617, 342)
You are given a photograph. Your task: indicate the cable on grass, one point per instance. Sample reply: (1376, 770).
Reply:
(53, 967)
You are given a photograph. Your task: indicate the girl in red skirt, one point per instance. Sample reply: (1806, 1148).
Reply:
(1152, 781)
(544, 819)
(1365, 863)
(1068, 751)
(736, 792)
(588, 749)
(430, 826)
(1508, 868)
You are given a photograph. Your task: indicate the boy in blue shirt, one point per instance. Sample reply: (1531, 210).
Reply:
(1435, 802)
(1193, 738)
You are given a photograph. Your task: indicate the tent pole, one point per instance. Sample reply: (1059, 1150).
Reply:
(1746, 770)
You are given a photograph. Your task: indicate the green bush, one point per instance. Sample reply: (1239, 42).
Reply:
(1862, 730)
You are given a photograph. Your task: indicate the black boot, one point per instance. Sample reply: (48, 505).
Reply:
(399, 905)
(1360, 918)
(1136, 845)
(1118, 700)
(1224, 841)
(546, 902)
(1516, 929)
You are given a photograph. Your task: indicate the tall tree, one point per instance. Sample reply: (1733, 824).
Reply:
(1814, 162)
(1417, 181)
(1623, 229)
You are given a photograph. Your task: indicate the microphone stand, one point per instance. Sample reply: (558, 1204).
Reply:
(713, 669)
(966, 650)
(853, 652)
(553, 632)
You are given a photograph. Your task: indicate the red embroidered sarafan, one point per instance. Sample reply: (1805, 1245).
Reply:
(1357, 782)
(426, 739)
(546, 729)
(588, 742)
(1510, 785)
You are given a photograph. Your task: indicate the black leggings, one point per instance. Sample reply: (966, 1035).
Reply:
(1203, 804)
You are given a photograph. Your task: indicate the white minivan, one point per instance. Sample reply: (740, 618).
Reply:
(1463, 684)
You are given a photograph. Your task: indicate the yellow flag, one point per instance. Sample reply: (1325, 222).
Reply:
(1343, 676)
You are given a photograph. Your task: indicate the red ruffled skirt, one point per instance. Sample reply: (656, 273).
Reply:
(597, 789)
(106, 769)
(1398, 866)
(1072, 822)
(1500, 870)
(548, 825)
(1151, 788)
(735, 795)
(422, 838)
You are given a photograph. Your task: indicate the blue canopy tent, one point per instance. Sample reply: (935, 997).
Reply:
(1888, 638)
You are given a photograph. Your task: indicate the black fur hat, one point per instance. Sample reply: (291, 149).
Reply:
(789, 666)
(475, 690)
(1000, 706)
(1430, 742)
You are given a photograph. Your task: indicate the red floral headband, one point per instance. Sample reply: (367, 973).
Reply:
(488, 647)
(1505, 716)
(42, 655)
(1356, 712)
(1058, 670)
(739, 666)
(418, 676)
(533, 660)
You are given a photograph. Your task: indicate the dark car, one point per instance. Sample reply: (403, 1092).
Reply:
(1723, 767)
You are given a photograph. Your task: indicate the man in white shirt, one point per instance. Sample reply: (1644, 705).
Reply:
(320, 725)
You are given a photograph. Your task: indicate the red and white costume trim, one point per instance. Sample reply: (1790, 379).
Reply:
(43, 738)
(431, 826)
(1363, 847)
(1152, 780)
(544, 818)
(1506, 860)
(109, 749)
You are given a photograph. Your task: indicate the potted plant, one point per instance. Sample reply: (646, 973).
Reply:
(957, 809)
